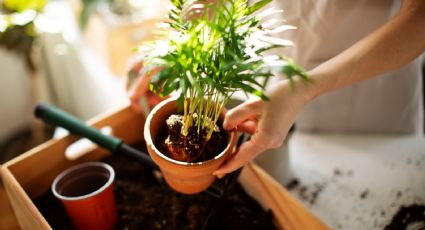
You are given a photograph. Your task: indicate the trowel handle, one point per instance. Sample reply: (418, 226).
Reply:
(58, 117)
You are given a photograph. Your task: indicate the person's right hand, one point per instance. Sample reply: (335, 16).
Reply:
(268, 121)
(139, 77)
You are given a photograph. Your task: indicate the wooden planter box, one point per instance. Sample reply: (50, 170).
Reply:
(7, 218)
(31, 174)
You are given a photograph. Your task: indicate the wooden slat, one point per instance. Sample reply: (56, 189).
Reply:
(27, 214)
(7, 217)
(289, 213)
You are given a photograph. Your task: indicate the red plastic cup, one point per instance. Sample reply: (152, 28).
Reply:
(86, 190)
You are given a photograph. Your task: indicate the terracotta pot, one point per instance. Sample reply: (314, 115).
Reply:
(184, 177)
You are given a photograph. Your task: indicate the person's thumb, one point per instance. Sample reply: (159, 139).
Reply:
(249, 110)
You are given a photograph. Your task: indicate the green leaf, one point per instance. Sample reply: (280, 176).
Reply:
(267, 48)
(261, 95)
(169, 87)
(178, 3)
(22, 5)
(257, 6)
(292, 70)
(85, 13)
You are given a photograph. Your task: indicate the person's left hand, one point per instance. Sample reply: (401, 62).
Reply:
(139, 77)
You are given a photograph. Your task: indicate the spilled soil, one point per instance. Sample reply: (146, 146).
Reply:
(408, 217)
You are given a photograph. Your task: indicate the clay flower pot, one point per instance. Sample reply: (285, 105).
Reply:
(184, 177)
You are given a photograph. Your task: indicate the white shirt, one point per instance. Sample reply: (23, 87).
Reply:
(391, 103)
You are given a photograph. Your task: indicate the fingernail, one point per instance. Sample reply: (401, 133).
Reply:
(218, 175)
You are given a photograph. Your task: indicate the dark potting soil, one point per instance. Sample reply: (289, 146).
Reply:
(144, 202)
(193, 147)
(408, 217)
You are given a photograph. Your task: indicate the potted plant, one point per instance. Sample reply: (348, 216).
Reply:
(205, 58)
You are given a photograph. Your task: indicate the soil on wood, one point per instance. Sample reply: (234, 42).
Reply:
(408, 217)
(307, 193)
(191, 148)
(145, 202)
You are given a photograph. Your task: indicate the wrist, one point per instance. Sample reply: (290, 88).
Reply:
(298, 91)
(321, 81)
(305, 91)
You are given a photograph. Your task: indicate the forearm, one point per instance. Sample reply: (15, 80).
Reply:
(393, 45)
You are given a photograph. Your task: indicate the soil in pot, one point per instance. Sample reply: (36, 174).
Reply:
(144, 202)
(192, 147)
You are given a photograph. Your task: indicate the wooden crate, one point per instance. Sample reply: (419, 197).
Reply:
(7, 218)
(31, 174)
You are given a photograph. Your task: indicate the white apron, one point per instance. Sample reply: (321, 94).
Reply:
(388, 104)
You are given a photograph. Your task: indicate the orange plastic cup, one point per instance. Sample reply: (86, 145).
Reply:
(86, 190)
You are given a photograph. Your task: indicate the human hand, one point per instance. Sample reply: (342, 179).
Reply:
(268, 121)
(137, 85)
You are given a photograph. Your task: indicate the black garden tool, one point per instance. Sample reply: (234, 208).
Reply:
(58, 117)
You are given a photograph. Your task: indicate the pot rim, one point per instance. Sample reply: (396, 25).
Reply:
(77, 167)
(148, 138)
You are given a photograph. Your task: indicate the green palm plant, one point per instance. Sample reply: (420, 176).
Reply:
(208, 58)
(17, 29)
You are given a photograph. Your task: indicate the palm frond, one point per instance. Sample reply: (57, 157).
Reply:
(214, 56)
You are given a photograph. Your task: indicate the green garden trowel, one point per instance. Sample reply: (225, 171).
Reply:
(58, 117)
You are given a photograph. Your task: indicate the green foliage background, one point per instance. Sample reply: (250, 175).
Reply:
(19, 37)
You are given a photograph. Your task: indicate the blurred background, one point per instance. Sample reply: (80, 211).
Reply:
(73, 54)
